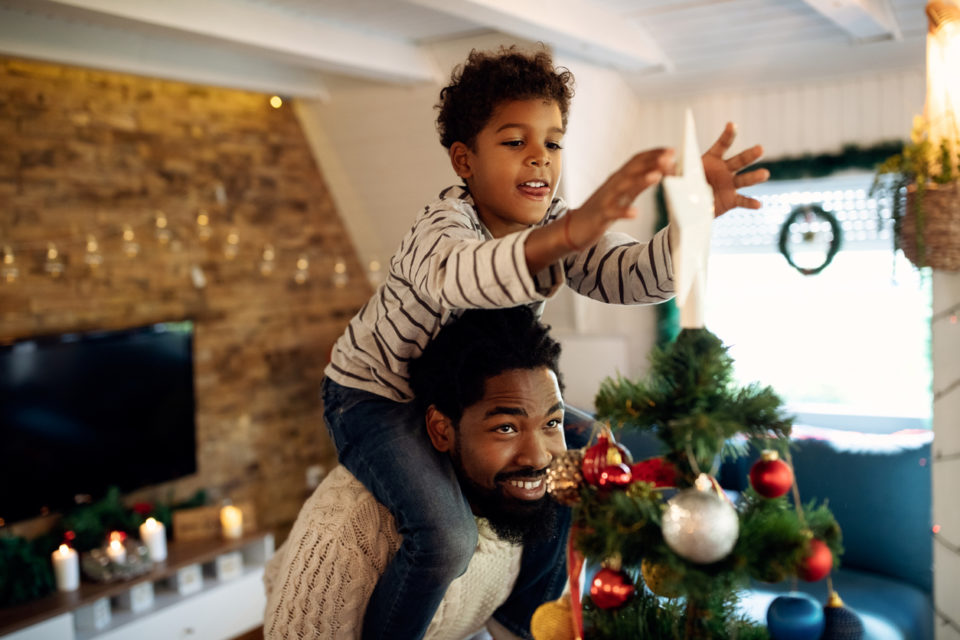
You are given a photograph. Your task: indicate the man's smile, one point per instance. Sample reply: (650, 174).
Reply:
(524, 485)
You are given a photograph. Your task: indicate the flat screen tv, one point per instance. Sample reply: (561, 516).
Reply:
(81, 412)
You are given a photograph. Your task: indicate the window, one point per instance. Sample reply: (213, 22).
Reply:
(847, 348)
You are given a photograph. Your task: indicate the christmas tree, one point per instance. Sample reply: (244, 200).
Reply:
(665, 523)
(674, 550)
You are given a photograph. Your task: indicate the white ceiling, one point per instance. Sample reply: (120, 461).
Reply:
(661, 47)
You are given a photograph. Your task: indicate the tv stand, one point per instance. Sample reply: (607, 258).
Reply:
(211, 590)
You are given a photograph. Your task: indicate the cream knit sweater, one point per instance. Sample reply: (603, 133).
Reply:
(321, 578)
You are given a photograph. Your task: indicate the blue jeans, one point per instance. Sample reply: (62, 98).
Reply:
(385, 445)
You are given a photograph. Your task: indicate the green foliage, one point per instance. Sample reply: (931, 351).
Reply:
(918, 164)
(25, 570)
(690, 403)
(91, 523)
(824, 164)
(653, 618)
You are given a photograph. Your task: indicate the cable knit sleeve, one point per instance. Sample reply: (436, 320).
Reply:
(320, 580)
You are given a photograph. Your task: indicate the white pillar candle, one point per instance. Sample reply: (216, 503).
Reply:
(66, 568)
(154, 536)
(231, 521)
(116, 551)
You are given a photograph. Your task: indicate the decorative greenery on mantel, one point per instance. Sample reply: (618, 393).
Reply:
(25, 564)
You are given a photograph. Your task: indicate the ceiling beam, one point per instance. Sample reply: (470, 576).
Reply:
(282, 36)
(572, 26)
(862, 19)
(57, 40)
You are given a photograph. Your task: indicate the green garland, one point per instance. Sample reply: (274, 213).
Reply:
(836, 241)
(25, 565)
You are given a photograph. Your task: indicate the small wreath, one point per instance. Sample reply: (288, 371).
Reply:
(808, 212)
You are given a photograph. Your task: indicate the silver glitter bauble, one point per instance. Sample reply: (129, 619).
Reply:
(700, 526)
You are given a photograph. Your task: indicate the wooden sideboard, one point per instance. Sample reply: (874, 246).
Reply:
(228, 600)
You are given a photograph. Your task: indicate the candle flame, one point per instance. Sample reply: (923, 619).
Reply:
(64, 550)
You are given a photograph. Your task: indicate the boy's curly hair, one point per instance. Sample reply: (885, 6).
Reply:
(487, 80)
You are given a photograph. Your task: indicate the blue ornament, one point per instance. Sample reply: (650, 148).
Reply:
(795, 616)
(840, 623)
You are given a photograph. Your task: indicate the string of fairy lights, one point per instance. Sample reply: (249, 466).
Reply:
(88, 253)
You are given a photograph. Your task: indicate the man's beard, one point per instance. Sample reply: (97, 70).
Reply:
(512, 519)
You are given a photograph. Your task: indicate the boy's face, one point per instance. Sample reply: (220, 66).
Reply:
(514, 169)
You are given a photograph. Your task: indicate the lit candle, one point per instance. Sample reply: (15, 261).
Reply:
(66, 568)
(231, 520)
(154, 535)
(115, 550)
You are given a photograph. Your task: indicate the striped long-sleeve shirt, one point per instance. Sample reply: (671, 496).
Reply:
(449, 262)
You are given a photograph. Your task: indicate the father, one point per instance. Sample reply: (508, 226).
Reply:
(490, 390)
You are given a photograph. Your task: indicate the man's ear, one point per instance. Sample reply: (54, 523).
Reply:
(440, 429)
(460, 159)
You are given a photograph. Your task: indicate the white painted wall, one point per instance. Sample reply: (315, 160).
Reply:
(946, 449)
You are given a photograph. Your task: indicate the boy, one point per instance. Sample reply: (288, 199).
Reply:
(500, 240)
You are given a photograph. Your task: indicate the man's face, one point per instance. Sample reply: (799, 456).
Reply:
(514, 168)
(503, 446)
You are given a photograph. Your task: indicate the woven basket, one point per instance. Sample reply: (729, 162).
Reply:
(941, 227)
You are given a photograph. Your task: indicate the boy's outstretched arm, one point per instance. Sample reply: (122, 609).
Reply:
(723, 177)
(580, 228)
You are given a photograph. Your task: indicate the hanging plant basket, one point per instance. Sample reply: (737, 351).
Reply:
(929, 231)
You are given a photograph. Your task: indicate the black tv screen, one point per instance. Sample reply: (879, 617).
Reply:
(81, 412)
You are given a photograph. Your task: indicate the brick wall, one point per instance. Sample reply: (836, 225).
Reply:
(89, 153)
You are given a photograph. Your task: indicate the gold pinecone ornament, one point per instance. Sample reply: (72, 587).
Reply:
(564, 477)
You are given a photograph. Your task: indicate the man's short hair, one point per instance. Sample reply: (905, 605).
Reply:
(482, 343)
(487, 80)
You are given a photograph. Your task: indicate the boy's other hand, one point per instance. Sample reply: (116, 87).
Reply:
(614, 199)
(723, 177)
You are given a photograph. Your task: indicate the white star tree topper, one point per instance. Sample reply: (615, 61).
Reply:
(690, 206)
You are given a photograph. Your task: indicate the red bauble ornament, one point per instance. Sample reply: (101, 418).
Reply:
(600, 456)
(817, 563)
(770, 476)
(611, 589)
(615, 476)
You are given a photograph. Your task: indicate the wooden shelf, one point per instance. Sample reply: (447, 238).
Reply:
(179, 555)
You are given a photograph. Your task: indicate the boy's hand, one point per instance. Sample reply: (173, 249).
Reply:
(613, 200)
(723, 177)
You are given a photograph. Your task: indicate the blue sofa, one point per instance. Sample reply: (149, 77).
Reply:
(878, 487)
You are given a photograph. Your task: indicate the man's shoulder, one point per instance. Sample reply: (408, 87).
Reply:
(341, 503)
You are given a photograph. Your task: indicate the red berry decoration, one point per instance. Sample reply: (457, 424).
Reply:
(817, 563)
(770, 476)
(615, 476)
(658, 471)
(611, 589)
